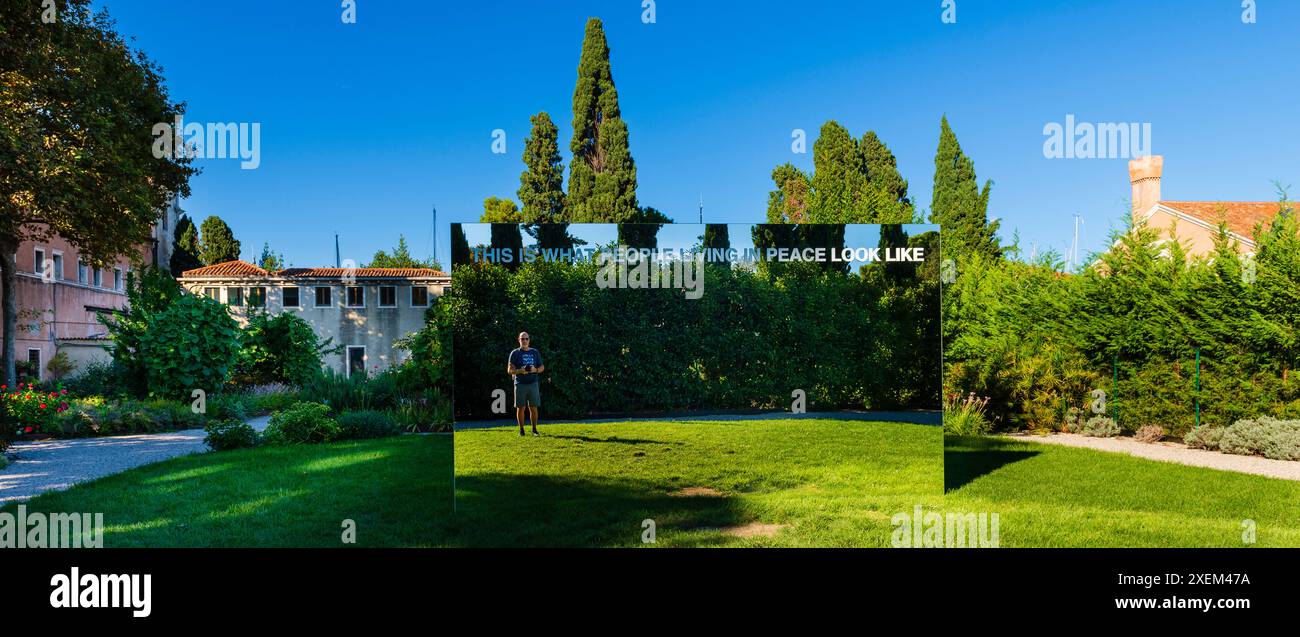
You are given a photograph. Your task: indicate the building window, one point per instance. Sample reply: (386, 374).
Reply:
(58, 266)
(290, 297)
(324, 296)
(356, 296)
(38, 262)
(82, 271)
(213, 293)
(387, 296)
(99, 278)
(34, 360)
(257, 297)
(356, 363)
(419, 296)
(117, 278)
(235, 296)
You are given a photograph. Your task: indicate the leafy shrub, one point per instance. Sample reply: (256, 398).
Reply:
(150, 291)
(1100, 427)
(302, 423)
(96, 416)
(352, 393)
(189, 346)
(1263, 436)
(269, 403)
(1204, 437)
(965, 416)
(367, 424)
(231, 406)
(229, 434)
(98, 378)
(280, 348)
(1150, 434)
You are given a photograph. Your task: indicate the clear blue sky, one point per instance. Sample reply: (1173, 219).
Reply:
(366, 126)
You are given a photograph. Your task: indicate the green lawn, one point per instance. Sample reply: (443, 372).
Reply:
(396, 490)
(1048, 495)
(818, 482)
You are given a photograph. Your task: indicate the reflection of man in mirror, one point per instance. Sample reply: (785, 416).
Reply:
(525, 366)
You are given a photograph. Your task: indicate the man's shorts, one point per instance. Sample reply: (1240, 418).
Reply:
(528, 394)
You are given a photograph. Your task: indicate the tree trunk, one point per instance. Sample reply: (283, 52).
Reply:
(9, 310)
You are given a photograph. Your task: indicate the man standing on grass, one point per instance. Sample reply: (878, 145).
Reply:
(524, 365)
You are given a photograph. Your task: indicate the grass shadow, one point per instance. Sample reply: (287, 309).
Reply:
(495, 509)
(614, 439)
(966, 459)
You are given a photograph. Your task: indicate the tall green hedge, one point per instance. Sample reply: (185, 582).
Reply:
(859, 340)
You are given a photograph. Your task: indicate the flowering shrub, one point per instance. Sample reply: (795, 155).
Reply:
(965, 416)
(27, 410)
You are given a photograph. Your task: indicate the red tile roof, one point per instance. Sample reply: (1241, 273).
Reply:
(361, 273)
(1240, 215)
(247, 270)
(227, 269)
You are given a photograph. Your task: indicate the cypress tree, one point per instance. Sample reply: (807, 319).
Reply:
(959, 205)
(643, 230)
(883, 177)
(541, 185)
(839, 179)
(602, 175)
(460, 254)
(185, 251)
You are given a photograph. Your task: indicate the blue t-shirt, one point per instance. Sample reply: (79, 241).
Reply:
(521, 359)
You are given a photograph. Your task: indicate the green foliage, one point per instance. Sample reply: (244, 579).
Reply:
(224, 435)
(642, 230)
(353, 393)
(367, 424)
(400, 258)
(1263, 436)
(965, 416)
(218, 242)
(190, 345)
(149, 292)
(959, 205)
(541, 186)
(602, 174)
(77, 106)
(279, 348)
(1100, 427)
(302, 423)
(1204, 438)
(852, 182)
(95, 416)
(270, 261)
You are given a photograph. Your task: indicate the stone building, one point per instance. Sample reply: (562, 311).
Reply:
(362, 309)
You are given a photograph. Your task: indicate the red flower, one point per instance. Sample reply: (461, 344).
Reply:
(28, 430)
(63, 392)
(42, 405)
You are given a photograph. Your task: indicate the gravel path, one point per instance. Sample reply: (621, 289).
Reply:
(58, 464)
(1174, 452)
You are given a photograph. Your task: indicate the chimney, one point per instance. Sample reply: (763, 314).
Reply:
(1144, 174)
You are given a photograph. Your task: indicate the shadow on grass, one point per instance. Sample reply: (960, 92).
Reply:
(615, 439)
(534, 510)
(966, 459)
(394, 489)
